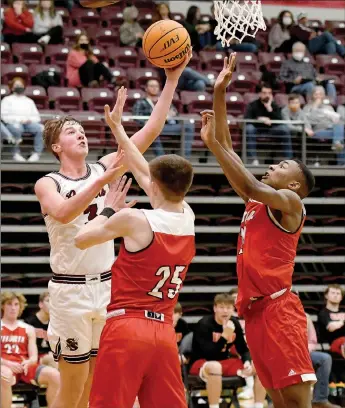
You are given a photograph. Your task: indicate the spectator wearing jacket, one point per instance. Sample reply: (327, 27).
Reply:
(18, 23)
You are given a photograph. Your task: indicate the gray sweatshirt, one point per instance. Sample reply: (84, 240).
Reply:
(288, 115)
(43, 25)
(321, 117)
(277, 36)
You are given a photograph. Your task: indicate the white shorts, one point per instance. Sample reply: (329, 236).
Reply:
(77, 315)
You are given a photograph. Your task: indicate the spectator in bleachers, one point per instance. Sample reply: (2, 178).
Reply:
(279, 38)
(47, 23)
(326, 122)
(6, 134)
(162, 12)
(193, 28)
(20, 115)
(83, 67)
(293, 112)
(341, 112)
(332, 319)
(18, 23)
(190, 80)
(40, 322)
(131, 32)
(181, 326)
(19, 352)
(300, 76)
(144, 107)
(316, 42)
(265, 110)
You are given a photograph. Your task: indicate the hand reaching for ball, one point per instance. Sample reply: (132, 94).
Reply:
(173, 74)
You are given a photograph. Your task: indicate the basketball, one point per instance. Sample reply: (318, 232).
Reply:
(96, 4)
(166, 43)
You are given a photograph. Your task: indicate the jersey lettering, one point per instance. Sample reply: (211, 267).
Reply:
(11, 348)
(92, 211)
(175, 280)
(242, 238)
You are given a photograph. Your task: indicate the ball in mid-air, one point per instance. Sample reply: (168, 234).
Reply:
(166, 43)
(97, 4)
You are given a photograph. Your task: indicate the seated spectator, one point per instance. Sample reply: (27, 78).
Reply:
(326, 122)
(317, 43)
(83, 67)
(181, 326)
(293, 112)
(162, 12)
(19, 352)
(6, 134)
(191, 25)
(265, 110)
(131, 33)
(190, 80)
(18, 23)
(47, 23)
(300, 76)
(279, 38)
(20, 114)
(40, 321)
(212, 356)
(144, 107)
(332, 319)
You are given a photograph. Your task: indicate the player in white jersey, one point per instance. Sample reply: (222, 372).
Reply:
(80, 286)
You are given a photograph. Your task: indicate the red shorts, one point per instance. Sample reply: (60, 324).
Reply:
(229, 367)
(276, 332)
(137, 357)
(31, 376)
(338, 346)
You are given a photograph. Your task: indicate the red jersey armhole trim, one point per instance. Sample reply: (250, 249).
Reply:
(140, 250)
(280, 227)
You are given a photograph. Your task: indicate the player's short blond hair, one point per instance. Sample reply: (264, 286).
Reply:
(8, 296)
(224, 298)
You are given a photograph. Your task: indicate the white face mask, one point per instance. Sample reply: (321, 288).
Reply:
(287, 21)
(298, 56)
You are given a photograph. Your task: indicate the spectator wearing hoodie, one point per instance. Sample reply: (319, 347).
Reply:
(131, 33)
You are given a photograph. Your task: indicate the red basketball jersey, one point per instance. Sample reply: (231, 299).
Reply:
(14, 343)
(265, 254)
(151, 279)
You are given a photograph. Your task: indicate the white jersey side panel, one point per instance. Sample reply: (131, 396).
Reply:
(65, 257)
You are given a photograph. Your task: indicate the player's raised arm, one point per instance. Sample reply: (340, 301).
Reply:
(135, 161)
(154, 126)
(241, 179)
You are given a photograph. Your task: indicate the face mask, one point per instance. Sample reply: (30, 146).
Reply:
(287, 21)
(298, 56)
(19, 90)
(84, 46)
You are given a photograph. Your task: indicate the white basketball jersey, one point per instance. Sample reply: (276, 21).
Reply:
(65, 257)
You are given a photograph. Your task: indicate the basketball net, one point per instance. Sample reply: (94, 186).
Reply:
(237, 19)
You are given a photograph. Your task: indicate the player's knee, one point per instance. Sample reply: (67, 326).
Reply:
(213, 368)
(49, 376)
(7, 377)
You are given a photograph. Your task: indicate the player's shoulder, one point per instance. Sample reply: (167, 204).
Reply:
(26, 326)
(46, 183)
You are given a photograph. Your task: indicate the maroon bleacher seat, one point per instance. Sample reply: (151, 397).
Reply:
(27, 53)
(195, 62)
(272, 61)
(65, 99)
(70, 33)
(234, 103)
(39, 95)
(57, 54)
(85, 17)
(331, 64)
(212, 59)
(112, 16)
(338, 26)
(314, 23)
(177, 16)
(202, 190)
(37, 69)
(224, 250)
(97, 98)
(93, 125)
(229, 220)
(9, 71)
(64, 14)
(47, 114)
(145, 17)
(202, 220)
(283, 99)
(100, 53)
(4, 90)
(6, 55)
(106, 37)
(243, 82)
(139, 76)
(211, 74)
(246, 61)
(308, 58)
(202, 250)
(335, 192)
(197, 280)
(226, 190)
(249, 97)
(132, 96)
(196, 101)
(341, 100)
(120, 75)
(124, 57)
(130, 125)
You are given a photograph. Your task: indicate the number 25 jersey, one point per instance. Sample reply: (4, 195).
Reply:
(65, 257)
(150, 279)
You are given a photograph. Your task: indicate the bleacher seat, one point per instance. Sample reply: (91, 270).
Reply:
(196, 101)
(341, 100)
(39, 68)
(9, 71)
(93, 125)
(211, 74)
(195, 62)
(139, 76)
(85, 18)
(177, 16)
(64, 14)
(57, 54)
(338, 26)
(132, 96)
(243, 82)
(6, 55)
(97, 98)
(250, 97)
(65, 99)
(106, 37)
(47, 114)
(112, 16)
(234, 103)
(27, 53)
(246, 61)
(145, 18)
(100, 53)
(272, 61)
(331, 64)
(4, 90)
(39, 95)
(314, 23)
(125, 57)
(212, 59)
(70, 34)
(120, 75)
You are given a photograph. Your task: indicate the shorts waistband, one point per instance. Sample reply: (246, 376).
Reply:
(274, 295)
(260, 302)
(81, 279)
(147, 314)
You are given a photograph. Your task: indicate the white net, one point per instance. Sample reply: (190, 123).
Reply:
(237, 19)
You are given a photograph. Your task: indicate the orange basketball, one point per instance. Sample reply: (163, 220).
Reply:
(166, 43)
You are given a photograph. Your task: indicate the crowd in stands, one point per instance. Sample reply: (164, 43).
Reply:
(292, 69)
(215, 345)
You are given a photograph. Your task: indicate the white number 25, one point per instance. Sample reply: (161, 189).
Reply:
(175, 280)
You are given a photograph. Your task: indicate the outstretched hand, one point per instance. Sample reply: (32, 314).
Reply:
(208, 129)
(113, 168)
(116, 197)
(224, 77)
(113, 118)
(176, 72)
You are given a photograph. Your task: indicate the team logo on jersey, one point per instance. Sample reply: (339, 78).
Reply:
(72, 344)
(71, 194)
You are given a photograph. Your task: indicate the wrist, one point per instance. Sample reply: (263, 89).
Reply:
(107, 212)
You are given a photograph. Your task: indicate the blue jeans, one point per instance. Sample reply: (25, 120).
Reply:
(325, 44)
(173, 130)
(322, 363)
(336, 134)
(5, 133)
(36, 129)
(307, 88)
(278, 131)
(244, 47)
(191, 80)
